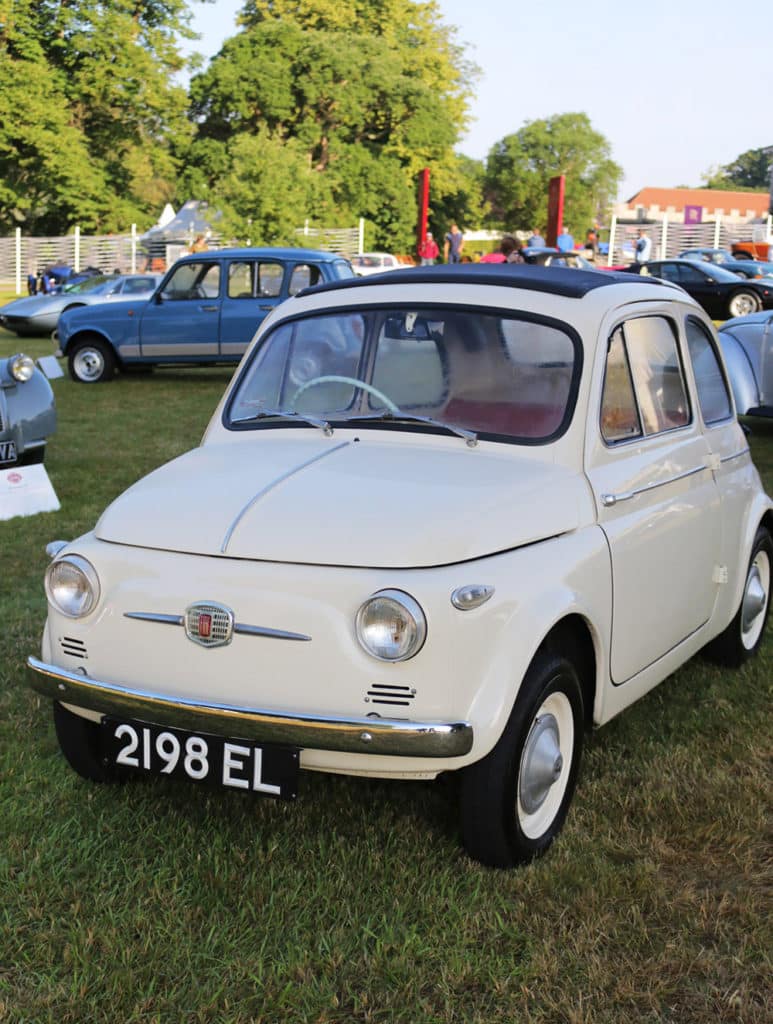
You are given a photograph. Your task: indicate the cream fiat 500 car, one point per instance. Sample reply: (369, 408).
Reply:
(444, 521)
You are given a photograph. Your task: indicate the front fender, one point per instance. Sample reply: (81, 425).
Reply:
(27, 412)
(117, 323)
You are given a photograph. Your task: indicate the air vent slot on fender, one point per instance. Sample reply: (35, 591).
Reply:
(384, 693)
(75, 648)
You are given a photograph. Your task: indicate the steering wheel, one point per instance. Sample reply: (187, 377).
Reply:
(336, 379)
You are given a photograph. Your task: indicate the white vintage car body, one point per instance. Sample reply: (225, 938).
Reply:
(635, 552)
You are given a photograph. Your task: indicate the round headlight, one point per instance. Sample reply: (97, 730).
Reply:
(72, 586)
(21, 367)
(391, 626)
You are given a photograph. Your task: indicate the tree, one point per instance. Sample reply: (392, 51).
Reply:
(351, 100)
(88, 111)
(750, 170)
(520, 166)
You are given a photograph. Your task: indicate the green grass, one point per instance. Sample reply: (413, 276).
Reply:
(162, 902)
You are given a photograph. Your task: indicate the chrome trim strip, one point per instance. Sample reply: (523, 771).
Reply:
(204, 348)
(738, 455)
(609, 500)
(169, 620)
(239, 627)
(275, 483)
(386, 736)
(130, 351)
(233, 348)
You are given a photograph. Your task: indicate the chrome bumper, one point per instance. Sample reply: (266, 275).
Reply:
(388, 736)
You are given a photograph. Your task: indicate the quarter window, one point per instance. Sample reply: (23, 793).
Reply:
(709, 380)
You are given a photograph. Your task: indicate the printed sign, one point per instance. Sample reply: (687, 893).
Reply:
(693, 214)
(25, 491)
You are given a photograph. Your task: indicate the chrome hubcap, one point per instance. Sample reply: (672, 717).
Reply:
(88, 364)
(541, 763)
(754, 600)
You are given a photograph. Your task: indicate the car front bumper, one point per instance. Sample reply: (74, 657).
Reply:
(360, 735)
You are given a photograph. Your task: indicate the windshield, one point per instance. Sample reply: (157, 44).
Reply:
(719, 273)
(90, 284)
(489, 373)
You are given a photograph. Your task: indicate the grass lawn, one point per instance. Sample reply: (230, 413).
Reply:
(163, 903)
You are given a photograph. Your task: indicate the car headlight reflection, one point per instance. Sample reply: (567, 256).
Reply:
(72, 586)
(21, 367)
(391, 626)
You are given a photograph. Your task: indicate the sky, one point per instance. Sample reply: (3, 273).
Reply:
(677, 87)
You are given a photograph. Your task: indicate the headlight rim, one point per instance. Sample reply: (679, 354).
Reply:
(15, 364)
(409, 605)
(84, 566)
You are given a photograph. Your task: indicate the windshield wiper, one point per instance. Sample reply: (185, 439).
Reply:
(313, 421)
(469, 435)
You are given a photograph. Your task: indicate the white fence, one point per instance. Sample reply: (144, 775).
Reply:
(669, 238)
(21, 254)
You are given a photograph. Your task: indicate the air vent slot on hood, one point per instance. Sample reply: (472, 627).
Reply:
(75, 648)
(384, 693)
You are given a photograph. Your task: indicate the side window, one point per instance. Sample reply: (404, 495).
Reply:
(691, 275)
(713, 397)
(657, 373)
(270, 279)
(240, 277)
(644, 388)
(303, 276)
(665, 271)
(619, 415)
(194, 281)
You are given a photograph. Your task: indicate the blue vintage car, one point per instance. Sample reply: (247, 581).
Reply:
(206, 310)
(27, 412)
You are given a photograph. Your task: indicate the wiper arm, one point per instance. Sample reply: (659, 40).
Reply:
(469, 435)
(313, 421)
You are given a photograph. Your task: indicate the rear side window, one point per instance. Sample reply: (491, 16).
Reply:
(713, 396)
(644, 387)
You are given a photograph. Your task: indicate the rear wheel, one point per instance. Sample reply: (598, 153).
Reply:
(742, 638)
(91, 361)
(742, 303)
(515, 800)
(79, 742)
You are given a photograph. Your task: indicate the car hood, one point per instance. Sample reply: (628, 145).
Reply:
(355, 502)
(33, 305)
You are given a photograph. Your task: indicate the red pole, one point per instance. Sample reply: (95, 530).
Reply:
(421, 228)
(555, 208)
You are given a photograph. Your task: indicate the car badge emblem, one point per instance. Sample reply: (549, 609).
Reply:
(209, 624)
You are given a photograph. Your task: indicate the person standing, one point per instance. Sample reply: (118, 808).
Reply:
(565, 242)
(454, 243)
(536, 241)
(428, 251)
(643, 247)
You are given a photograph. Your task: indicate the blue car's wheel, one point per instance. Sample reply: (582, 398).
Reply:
(91, 361)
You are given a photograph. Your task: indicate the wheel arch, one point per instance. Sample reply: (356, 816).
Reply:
(88, 334)
(573, 638)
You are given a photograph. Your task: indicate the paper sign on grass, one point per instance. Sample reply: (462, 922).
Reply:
(25, 491)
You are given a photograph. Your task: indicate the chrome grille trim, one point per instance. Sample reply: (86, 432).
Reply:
(239, 627)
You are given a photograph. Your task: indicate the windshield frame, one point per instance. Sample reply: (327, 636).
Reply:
(412, 426)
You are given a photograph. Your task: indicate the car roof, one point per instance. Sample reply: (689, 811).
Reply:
(278, 252)
(554, 280)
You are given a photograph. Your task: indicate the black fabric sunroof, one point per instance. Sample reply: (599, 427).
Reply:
(553, 280)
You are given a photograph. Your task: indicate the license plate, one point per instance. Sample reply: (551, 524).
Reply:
(7, 451)
(199, 757)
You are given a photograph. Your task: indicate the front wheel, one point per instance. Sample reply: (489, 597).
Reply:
(742, 638)
(742, 303)
(515, 800)
(91, 361)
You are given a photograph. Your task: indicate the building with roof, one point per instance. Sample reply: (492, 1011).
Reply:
(693, 205)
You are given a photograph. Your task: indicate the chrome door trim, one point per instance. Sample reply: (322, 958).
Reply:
(738, 455)
(610, 500)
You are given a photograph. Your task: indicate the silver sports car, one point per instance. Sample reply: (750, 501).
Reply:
(38, 314)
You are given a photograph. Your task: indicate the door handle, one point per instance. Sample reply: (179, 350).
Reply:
(264, 305)
(209, 309)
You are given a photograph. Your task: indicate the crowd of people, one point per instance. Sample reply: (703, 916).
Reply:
(510, 249)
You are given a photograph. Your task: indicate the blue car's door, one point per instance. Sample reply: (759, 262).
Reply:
(252, 288)
(182, 323)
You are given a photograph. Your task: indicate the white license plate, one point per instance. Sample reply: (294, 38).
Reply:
(199, 757)
(8, 452)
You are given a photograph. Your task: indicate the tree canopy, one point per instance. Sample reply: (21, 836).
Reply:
(750, 170)
(520, 166)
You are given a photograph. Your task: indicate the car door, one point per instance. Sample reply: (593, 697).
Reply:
(182, 322)
(253, 288)
(658, 503)
(703, 288)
